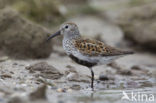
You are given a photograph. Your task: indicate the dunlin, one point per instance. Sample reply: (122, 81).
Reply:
(86, 52)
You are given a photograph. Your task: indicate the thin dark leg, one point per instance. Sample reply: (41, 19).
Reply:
(92, 79)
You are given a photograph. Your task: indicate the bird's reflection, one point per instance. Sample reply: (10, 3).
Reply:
(92, 95)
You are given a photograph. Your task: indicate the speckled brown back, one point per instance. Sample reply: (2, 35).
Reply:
(96, 48)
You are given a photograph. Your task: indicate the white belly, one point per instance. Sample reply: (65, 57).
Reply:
(107, 59)
(97, 59)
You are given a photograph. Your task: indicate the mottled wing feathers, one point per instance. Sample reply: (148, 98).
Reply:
(96, 48)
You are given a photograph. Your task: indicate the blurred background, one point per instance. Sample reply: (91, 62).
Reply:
(27, 61)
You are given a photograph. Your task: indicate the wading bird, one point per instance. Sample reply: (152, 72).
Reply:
(86, 52)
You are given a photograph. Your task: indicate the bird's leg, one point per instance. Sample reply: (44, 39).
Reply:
(92, 79)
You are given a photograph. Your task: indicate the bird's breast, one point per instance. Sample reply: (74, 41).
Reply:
(68, 46)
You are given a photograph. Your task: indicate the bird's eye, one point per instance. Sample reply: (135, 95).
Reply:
(66, 26)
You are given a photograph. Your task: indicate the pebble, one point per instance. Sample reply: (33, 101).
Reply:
(70, 69)
(61, 90)
(3, 76)
(125, 72)
(64, 90)
(75, 87)
(15, 64)
(40, 93)
(103, 78)
(136, 67)
(44, 70)
(72, 76)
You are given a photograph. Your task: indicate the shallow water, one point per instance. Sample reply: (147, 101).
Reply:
(104, 96)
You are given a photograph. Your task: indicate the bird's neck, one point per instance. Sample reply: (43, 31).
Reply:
(71, 37)
(68, 43)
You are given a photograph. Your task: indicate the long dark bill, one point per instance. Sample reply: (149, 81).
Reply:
(53, 35)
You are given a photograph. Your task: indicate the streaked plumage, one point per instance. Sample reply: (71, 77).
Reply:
(85, 51)
(96, 48)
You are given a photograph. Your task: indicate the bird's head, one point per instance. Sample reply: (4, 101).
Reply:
(68, 30)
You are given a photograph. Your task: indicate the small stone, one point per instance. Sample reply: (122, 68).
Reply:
(40, 93)
(69, 90)
(132, 84)
(135, 67)
(73, 77)
(96, 77)
(103, 78)
(77, 78)
(61, 90)
(70, 69)
(125, 72)
(15, 64)
(45, 70)
(3, 76)
(75, 87)
(114, 65)
(47, 81)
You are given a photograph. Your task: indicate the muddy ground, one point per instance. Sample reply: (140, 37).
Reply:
(131, 73)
